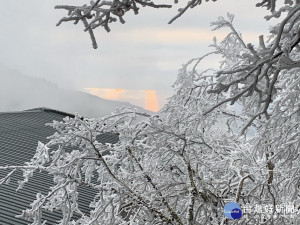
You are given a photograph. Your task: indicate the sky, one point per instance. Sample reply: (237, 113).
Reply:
(136, 62)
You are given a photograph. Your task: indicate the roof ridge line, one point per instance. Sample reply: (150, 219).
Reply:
(41, 109)
(45, 109)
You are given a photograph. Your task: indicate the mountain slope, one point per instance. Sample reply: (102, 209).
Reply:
(20, 92)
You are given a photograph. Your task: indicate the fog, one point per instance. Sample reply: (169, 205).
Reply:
(21, 92)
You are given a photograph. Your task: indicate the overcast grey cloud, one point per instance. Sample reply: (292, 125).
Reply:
(145, 53)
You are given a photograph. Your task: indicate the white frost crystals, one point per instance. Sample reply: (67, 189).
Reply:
(38, 161)
(181, 165)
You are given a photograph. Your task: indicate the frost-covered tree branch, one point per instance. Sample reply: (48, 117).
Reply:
(227, 134)
(102, 13)
(99, 13)
(251, 74)
(144, 176)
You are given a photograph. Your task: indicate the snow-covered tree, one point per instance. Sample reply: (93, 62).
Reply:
(183, 164)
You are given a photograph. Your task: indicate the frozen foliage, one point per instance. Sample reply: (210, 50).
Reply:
(182, 165)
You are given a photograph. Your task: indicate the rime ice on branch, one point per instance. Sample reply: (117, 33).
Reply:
(102, 13)
(183, 164)
(99, 13)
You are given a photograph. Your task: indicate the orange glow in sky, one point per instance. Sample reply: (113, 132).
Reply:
(151, 100)
(143, 98)
(110, 94)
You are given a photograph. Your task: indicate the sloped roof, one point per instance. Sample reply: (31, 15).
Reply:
(19, 135)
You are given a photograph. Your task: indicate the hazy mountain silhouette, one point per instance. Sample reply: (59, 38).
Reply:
(21, 92)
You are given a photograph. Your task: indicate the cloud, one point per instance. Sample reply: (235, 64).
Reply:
(177, 36)
(111, 94)
(143, 98)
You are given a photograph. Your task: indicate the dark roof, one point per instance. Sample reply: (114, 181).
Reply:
(19, 135)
